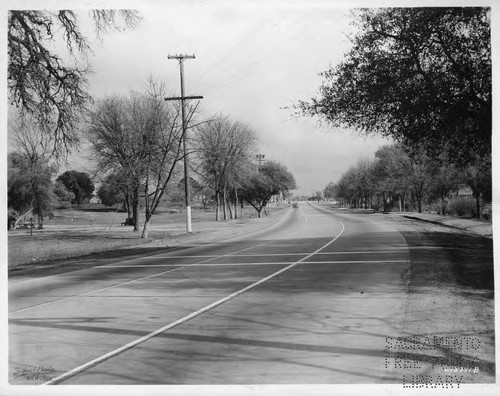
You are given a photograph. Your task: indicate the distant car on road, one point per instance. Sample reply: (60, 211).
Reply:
(295, 205)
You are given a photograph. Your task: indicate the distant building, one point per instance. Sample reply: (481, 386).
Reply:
(95, 200)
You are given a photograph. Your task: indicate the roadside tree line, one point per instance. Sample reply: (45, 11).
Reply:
(422, 77)
(136, 147)
(136, 142)
(410, 180)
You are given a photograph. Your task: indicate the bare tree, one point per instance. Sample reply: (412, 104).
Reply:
(162, 159)
(221, 145)
(139, 135)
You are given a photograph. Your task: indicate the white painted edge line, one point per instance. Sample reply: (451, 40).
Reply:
(266, 263)
(138, 341)
(268, 255)
(180, 266)
(222, 241)
(94, 291)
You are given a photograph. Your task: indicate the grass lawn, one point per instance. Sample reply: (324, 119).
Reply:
(92, 228)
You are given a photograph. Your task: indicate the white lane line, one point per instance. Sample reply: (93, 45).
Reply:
(268, 263)
(180, 266)
(272, 254)
(93, 291)
(138, 341)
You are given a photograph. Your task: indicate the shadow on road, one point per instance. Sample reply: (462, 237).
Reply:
(442, 259)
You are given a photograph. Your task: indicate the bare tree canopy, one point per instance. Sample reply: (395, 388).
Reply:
(418, 75)
(41, 84)
(223, 146)
(138, 138)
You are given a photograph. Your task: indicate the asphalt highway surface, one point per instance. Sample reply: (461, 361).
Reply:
(312, 299)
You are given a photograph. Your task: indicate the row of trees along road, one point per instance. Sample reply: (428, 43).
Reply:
(224, 150)
(136, 138)
(395, 177)
(422, 77)
(137, 146)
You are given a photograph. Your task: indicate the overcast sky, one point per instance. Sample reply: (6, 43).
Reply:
(252, 59)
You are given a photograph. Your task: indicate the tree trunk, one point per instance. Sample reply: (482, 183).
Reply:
(224, 204)
(217, 206)
(229, 208)
(443, 205)
(127, 205)
(145, 230)
(135, 209)
(40, 220)
(478, 206)
(235, 203)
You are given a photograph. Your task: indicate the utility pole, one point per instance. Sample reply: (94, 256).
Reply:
(183, 98)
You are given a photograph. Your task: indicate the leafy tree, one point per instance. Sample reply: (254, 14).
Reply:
(317, 196)
(388, 174)
(418, 75)
(29, 186)
(270, 179)
(79, 183)
(397, 172)
(43, 85)
(110, 192)
(446, 178)
(330, 191)
(30, 170)
(62, 193)
(418, 171)
(477, 175)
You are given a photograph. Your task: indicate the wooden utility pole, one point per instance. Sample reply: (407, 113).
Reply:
(183, 98)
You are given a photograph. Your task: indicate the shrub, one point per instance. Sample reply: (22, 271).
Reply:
(462, 206)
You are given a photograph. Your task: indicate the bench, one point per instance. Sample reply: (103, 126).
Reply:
(129, 221)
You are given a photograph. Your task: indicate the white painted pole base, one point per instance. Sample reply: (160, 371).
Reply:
(188, 219)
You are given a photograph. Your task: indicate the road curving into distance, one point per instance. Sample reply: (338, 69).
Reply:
(312, 299)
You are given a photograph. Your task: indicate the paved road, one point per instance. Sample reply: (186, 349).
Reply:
(310, 300)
